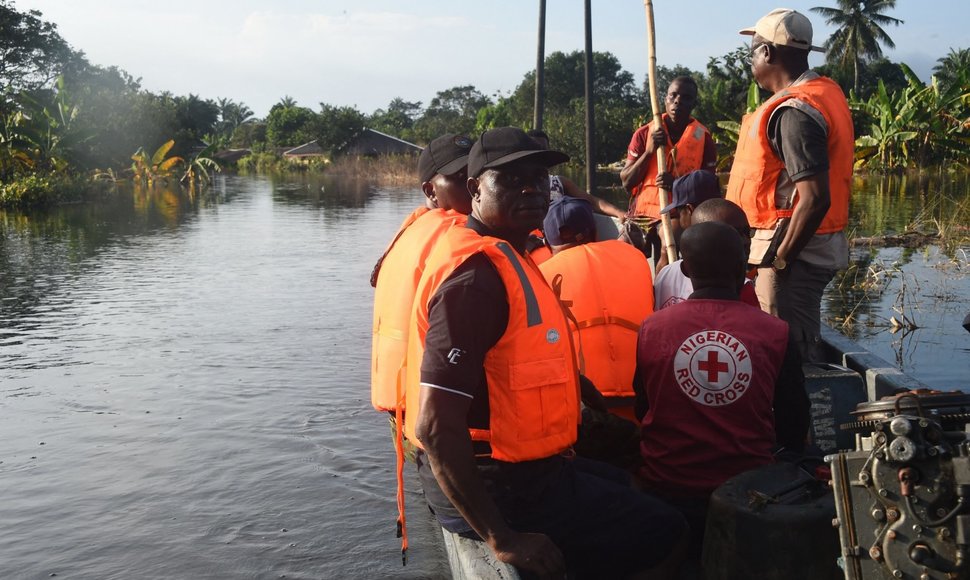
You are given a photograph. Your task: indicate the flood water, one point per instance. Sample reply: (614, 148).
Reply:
(928, 286)
(184, 381)
(184, 390)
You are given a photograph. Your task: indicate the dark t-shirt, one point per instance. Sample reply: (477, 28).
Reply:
(466, 317)
(799, 141)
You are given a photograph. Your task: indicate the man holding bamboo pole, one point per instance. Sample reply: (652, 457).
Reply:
(688, 146)
(791, 176)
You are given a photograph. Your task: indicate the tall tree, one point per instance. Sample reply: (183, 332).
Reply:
(231, 116)
(335, 126)
(859, 32)
(398, 119)
(32, 53)
(453, 110)
(289, 126)
(618, 102)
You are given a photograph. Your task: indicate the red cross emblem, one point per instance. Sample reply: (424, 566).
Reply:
(713, 366)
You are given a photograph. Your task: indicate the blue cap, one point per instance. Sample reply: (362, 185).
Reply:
(569, 221)
(694, 188)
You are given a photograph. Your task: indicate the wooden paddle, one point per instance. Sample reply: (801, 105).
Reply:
(667, 235)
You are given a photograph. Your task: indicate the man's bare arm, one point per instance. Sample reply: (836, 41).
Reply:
(599, 204)
(443, 430)
(633, 172)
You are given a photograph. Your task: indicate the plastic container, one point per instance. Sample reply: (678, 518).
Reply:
(834, 391)
(771, 523)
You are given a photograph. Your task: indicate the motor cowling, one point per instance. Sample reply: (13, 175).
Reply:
(902, 497)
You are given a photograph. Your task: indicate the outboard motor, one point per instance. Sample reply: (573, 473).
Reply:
(902, 497)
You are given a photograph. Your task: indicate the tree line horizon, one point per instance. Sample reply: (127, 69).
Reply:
(60, 113)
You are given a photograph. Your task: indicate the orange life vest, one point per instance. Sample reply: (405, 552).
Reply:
(608, 288)
(756, 168)
(682, 158)
(396, 281)
(533, 384)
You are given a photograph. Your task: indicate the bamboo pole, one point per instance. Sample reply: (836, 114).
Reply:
(667, 236)
(540, 95)
(590, 116)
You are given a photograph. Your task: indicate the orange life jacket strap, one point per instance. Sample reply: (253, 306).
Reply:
(784, 213)
(603, 320)
(402, 527)
(557, 289)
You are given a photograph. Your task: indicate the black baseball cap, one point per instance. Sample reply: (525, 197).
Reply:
(445, 155)
(497, 147)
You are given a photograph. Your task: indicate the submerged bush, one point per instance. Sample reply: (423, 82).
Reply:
(36, 190)
(259, 163)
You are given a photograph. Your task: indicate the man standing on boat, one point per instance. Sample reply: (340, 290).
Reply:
(689, 146)
(792, 176)
(493, 392)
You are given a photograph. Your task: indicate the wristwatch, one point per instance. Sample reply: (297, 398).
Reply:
(779, 263)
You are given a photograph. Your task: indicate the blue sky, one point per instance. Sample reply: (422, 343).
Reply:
(366, 52)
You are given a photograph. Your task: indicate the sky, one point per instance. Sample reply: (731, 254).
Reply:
(364, 53)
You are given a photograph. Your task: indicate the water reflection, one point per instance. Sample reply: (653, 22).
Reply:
(323, 191)
(907, 305)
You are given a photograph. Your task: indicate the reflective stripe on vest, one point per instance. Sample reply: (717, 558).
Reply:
(756, 168)
(533, 315)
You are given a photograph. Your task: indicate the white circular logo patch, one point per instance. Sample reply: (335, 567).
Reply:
(713, 368)
(552, 336)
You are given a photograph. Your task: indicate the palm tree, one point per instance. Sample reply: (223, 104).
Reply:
(286, 102)
(953, 67)
(859, 32)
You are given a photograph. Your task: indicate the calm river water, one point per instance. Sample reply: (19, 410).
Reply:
(184, 390)
(184, 382)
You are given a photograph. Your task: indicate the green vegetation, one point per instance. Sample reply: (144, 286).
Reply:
(67, 126)
(915, 127)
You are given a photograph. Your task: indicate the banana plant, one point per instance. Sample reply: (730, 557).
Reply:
(918, 125)
(15, 147)
(885, 143)
(147, 169)
(51, 129)
(727, 138)
(197, 169)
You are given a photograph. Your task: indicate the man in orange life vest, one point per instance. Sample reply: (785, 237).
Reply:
(792, 175)
(607, 288)
(442, 169)
(718, 384)
(689, 146)
(493, 394)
